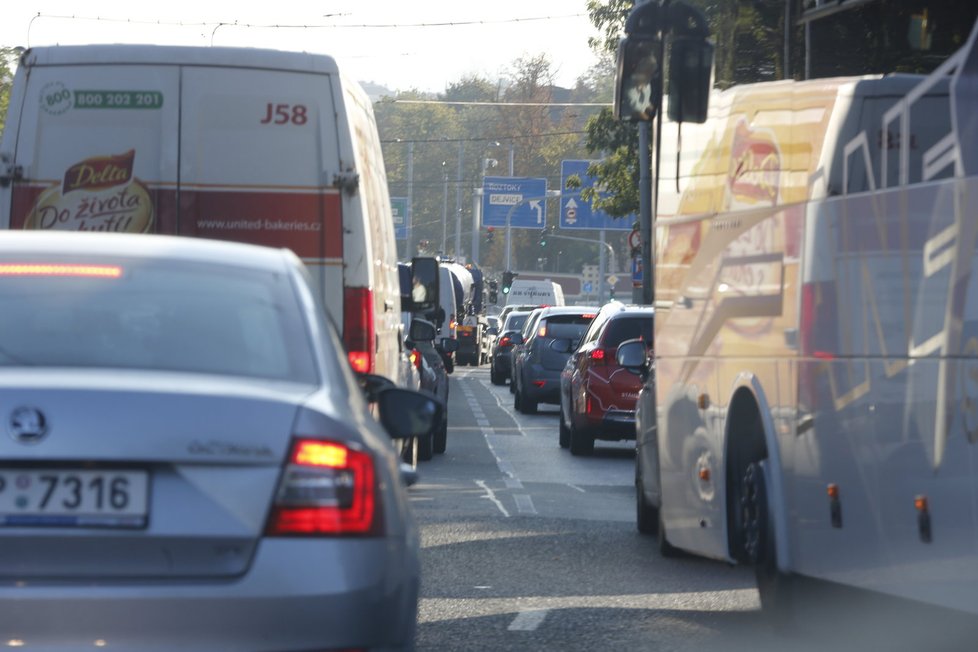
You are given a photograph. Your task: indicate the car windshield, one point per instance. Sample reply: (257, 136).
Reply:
(627, 328)
(136, 314)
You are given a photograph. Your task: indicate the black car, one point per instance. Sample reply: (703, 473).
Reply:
(500, 361)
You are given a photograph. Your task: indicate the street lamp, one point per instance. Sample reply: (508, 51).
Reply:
(444, 208)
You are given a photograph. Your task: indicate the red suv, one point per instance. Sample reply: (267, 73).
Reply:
(597, 397)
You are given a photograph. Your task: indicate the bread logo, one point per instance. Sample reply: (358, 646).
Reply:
(755, 167)
(97, 194)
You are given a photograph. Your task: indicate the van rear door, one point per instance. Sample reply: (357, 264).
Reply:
(96, 143)
(254, 149)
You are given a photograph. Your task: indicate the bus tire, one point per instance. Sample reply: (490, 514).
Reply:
(666, 549)
(646, 515)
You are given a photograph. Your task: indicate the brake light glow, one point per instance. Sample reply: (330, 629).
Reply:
(597, 354)
(327, 488)
(588, 315)
(505, 342)
(31, 269)
(416, 359)
(358, 328)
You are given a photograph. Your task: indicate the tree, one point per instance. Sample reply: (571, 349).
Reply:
(8, 57)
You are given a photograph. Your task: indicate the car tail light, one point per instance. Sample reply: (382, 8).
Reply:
(416, 360)
(599, 356)
(539, 383)
(358, 328)
(542, 332)
(506, 342)
(327, 488)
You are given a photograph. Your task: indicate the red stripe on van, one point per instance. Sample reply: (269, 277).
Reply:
(309, 224)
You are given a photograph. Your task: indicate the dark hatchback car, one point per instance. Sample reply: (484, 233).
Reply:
(500, 363)
(597, 395)
(537, 365)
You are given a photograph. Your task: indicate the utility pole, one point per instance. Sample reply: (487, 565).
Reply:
(410, 200)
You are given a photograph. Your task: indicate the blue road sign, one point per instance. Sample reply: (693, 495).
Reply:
(399, 207)
(587, 287)
(528, 196)
(576, 213)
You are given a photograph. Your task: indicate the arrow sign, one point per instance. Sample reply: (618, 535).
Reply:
(570, 211)
(535, 205)
(521, 194)
(583, 216)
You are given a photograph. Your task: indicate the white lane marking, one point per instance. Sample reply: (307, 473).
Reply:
(524, 504)
(492, 497)
(527, 621)
(482, 422)
(513, 483)
(574, 486)
(505, 466)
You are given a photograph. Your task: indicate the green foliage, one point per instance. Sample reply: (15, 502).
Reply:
(8, 59)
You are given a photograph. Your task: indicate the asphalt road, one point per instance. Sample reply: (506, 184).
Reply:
(528, 548)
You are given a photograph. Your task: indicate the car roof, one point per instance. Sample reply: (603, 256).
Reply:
(567, 310)
(89, 244)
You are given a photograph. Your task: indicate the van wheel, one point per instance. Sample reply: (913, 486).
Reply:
(760, 549)
(425, 447)
(666, 549)
(440, 439)
(646, 515)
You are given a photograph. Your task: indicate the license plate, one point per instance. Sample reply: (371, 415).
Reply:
(61, 497)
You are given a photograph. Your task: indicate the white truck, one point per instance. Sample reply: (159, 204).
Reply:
(260, 146)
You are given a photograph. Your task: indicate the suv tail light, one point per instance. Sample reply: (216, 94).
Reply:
(599, 356)
(358, 328)
(327, 488)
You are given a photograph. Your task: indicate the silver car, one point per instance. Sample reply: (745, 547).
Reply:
(187, 461)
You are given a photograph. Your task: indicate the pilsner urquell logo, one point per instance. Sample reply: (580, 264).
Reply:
(97, 194)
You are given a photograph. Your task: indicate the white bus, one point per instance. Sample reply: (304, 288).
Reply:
(814, 405)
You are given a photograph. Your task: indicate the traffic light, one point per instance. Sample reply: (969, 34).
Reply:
(543, 237)
(507, 281)
(493, 295)
(491, 233)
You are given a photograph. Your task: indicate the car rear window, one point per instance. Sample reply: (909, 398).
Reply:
(155, 315)
(569, 326)
(515, 322)
(626, 328)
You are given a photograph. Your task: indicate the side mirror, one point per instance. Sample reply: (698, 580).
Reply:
(373, 385)
(562, 345)
(637, 79)
(516, 338)
(405, 413)
(449, 345)
(424, 284)
(493, 331)
(632, 355)
(690, 74)
(422, 331)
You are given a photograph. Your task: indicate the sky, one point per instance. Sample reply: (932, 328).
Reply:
(356, 32)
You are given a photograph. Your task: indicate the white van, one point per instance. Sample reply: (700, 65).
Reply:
(540, 293)
(260, 146)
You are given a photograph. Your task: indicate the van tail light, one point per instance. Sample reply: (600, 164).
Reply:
(416, 359)
(328, 489)
(358, 328)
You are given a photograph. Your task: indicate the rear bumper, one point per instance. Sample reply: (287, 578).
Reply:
(549, 392)
(613, 425)
(299, 594)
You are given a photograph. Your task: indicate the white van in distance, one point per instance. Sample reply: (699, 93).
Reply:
(259, 146)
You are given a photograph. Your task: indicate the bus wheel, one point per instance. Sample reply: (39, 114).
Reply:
(666, 549)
